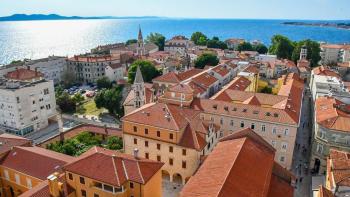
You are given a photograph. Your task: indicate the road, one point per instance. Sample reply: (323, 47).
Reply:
(302, 151)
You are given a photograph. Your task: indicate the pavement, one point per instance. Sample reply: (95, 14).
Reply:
(171, 189)
(302, 151)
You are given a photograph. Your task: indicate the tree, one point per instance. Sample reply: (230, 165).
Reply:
(114, 143)
(111, 99)
(68, 79)
(158, 39)
(216, 43)
(206, 59)
(78, 98)
(199, 38)
(313, 51)
(66, 103)
(282, 47)
(103, 82)
(261, 49)
(245, 46)
(266, 90)
(131, 41)
(148, 71)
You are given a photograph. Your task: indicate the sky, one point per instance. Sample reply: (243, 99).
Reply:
(241, 9)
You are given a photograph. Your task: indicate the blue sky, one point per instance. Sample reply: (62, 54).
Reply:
(257, 9)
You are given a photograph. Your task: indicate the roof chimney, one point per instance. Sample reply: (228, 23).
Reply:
(136, 153)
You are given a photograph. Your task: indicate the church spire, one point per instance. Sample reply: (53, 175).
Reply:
(140, 50)
(140, 37)
(138, 76)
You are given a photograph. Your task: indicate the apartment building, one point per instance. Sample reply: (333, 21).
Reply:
(334, 53)
(233, 43)
(24, 168)
(89, 68)
(27, 102)
(331, 131)
(53, 67)
(178, 44)
(231, 170)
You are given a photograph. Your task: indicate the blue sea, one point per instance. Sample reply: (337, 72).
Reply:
(37, 39)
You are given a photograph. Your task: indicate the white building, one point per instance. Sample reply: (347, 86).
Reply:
(333, 53)
(27, 102)
(53, 67)
(266, 58)
(178, 44)
(115, 72)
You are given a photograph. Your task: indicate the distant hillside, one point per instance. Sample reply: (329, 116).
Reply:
(340, 25)
(25, 17)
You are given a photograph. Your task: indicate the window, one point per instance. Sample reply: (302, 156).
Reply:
(171, 161)
(242, 124)
(96, 195)
(46, 91)
(320, 148)
(183, 151)
(171, 136)
(273, 143)
(158, 146)
(158, 158)
(108, 188)
(18, 180)
(183, 164)
(274, 130)
(6, 173)
(221, 121)
(83, 192)
(131, 185)
(29, 183)
(135, 129)
(82, 180)
(158, 133)
(171, 149)
(252, 126)
(286, 132)
(146, 131)
(146, 155)
(282, 159)
(70, 176)
(284, 146)
(231, 123)
(135, 141)
(146, 143)
(263, 128)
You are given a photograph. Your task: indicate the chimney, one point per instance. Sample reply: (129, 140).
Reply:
(28, 67)
(55, 187)
(36, 72)
(136, 153)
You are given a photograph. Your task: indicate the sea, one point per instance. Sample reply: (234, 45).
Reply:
(38, 39)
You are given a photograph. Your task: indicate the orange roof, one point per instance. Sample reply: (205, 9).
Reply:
(321, 70)
(170, 77)
(221, 70)
(239, 83)
(34, 161)
(230, 170)
(189, 73)
(335, 46)
(332, 113)
(103, 58)
(8, 141)
(181, 88)
(252, 69)
(338, 167)
(113, 168)
(24, 74)
(205, 80)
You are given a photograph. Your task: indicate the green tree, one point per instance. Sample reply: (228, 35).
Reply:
(206, 59)
(131, 41)
(103, 82)
(78, 98)
(216, 43)
(313, 51)
(114, 143)
(66, 103)
(261, 49)
(282, 47)
(148, 71)
(158, 39)
(266, 90)
(111, 99)
(245, 46)
(199, 38)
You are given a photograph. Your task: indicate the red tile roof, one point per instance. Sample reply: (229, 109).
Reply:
(170, 77)
(8, 141)
(23, 74)
(321, 70)
(230, 170)
(189, 73)
(113, 168)
(221, 70)
(205, 80)
(338, 167)
(332, 114)
(181, 88)
(105, 58)
(239, 83)
(34, 161)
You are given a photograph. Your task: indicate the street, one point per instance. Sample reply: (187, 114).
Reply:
(302, 151)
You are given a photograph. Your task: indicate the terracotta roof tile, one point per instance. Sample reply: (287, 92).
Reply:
(8, 141)
(170, 77)
(338, 166)
(322, 70)
(24, 74)
(205, 80)
(189, 73)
